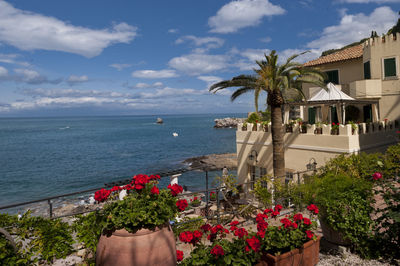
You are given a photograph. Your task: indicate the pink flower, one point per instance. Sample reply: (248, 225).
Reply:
(376, 176)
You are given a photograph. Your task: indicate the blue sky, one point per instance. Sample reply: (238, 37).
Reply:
(159, 57)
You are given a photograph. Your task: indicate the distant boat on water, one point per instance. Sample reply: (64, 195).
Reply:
(159, 121)
(175, 134)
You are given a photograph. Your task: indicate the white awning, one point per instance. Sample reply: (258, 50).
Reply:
(332, 93)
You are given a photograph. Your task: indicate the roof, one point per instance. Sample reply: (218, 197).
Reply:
(332, 93)
(342, 55)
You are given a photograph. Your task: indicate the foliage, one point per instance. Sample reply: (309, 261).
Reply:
(345, 204)
(354, 126)
(229, 182)
(253, 118)
(262, 192)
(266, 115)
(44, 239)
(187, 224)
(140, 210)
(88, 229)
(335, 126)
(387, 230)
(361, 165)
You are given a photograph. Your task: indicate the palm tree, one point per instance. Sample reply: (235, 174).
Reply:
(274, 78)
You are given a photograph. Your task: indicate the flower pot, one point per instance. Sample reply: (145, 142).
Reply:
(334, 131)
(307, 255)
(318, 131)
(254, 127)
(145, 247)
(195, 204)
(332, 235)
(289, 129)
(265, 127)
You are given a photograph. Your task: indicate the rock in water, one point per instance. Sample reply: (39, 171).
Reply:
(228, 122)
(159, 121)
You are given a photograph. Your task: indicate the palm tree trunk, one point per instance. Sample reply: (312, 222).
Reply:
(277, 141)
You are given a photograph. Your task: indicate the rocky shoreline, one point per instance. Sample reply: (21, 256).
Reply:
(213, 161)
(228, 122)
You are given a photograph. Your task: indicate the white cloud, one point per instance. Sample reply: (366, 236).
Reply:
(353, 28)
(210, 80)
(12, 59)
(209, 42)
(154, 74)
(266, 39)
(170, 92)
(142, 85)
(199, 63)
(120, 67)
(173, 31)
(72, 80)
(3, 72)
(31, 77)
(369, 1)
(242, 13)
(30, 31)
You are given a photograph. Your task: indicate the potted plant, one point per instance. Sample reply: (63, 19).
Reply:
(195, 202)
(354, 127)
(303, 127)
(335, 129)
(345, 207)
(244, 126)
(318, 128)
(291, 242)
(254, 126)
(265, 125)
(136, 229)
(289, 127)
(213, 196)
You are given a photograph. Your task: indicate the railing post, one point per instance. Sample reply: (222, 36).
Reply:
(50, 208)
(207, 195)
(218, 219)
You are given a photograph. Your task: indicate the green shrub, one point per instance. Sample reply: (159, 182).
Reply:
(45, 239)
(88, 229)
(253, 118)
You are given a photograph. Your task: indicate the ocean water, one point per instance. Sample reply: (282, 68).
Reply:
(42, 157)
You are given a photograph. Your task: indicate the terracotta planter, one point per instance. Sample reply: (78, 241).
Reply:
(318, 131)
(145, 247)
(333, 236)
(307, 255)
(254, 127)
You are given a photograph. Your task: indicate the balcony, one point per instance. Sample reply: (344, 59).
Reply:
(365, 89)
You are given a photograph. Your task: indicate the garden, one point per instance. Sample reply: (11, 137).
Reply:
(354, 200)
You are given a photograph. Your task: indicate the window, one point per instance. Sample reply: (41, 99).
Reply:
(367, 70)
(389, 65)
(256, 173)
(333, 76)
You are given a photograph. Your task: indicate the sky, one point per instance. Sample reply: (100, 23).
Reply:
(123, 57)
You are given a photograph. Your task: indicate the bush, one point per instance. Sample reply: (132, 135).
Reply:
(253, 118)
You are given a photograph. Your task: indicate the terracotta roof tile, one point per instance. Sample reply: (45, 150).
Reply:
(346, 54)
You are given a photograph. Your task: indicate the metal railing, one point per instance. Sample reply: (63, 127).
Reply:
(219, 190)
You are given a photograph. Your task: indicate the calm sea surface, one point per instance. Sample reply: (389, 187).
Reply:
(42, 157)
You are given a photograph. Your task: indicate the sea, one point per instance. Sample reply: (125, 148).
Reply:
(43, 157)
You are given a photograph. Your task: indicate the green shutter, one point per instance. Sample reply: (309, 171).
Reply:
(311, 115)
(333, 76)
(367, 70)
(390, 67)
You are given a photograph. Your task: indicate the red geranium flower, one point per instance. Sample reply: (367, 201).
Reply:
(102, 195)
(175, 189)
(154, 177)
(179, 255)
(241, 232)
(182, 204)
(141, 181)
(217, 251)
(313, 208)
(306, 221)
(298, 217)
(116, 188)
(254, 243)
(186, 237)
(376, 176)
(233, 225)
(310, 234)
(155, 190)
(278, 208)
(206, 227)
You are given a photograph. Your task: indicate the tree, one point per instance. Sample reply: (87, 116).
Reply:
(274, 78)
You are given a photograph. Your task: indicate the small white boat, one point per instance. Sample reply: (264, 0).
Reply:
(175, 134)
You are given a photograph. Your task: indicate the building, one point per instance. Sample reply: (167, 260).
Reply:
(369, 73)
